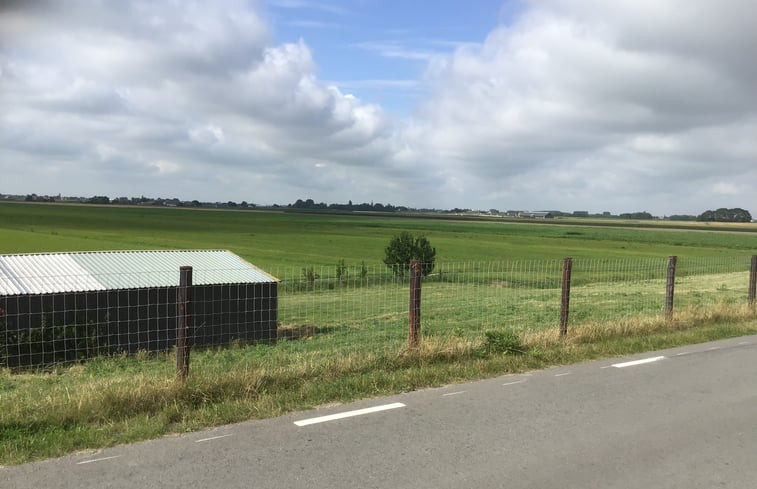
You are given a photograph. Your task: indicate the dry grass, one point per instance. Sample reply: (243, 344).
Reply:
(594, 332)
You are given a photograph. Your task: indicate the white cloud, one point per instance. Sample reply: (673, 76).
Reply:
(580, 105)
(577, 104)
(396, 49)
(166, 167)
(160, 88)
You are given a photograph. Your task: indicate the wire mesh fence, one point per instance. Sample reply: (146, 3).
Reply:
(349, 309)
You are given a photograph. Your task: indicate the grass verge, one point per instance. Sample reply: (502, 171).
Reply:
(119, 400)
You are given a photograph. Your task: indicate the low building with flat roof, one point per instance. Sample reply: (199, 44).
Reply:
(63, 307)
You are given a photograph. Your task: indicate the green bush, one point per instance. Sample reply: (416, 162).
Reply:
(502, 341)
(403, 248)
(310, 276)
(341, 271)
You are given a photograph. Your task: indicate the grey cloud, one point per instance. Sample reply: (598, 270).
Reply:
(574, 97)
(592, 105)
(152, 88)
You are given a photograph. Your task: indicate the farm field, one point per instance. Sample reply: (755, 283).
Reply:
(488, 274)
(275, 240)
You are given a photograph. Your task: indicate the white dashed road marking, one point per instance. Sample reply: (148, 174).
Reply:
(348, 414)
(513, 383)
(213, 438)
(562, 375)
(452, 393)
(97, 460)
(637, 362)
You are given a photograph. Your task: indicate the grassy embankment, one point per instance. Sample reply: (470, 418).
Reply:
(116, 400)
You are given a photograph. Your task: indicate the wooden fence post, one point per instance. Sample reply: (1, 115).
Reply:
(670, 287)
(567, 267)
(415, 304)
(752, 280)
(183, 320)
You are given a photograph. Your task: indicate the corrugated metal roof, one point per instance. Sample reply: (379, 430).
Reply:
(48, 273)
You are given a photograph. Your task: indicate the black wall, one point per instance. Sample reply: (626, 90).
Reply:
(51, 328)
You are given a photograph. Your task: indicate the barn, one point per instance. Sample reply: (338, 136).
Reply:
(62, 307)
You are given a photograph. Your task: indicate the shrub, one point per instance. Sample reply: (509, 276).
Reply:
(502, 341)
(310, 276)
(341, 271)
(404, 247)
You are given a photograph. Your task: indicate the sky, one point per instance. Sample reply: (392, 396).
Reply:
(621, 106)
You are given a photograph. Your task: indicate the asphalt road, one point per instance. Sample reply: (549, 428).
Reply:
(680, 418)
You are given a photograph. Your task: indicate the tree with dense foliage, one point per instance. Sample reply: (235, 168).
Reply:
(405, 247)
(644, 215)
(726, 215)
(681, 217)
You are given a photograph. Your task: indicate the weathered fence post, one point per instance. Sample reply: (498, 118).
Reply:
(567, 267)
(670, 287)
(183, 320)
(414, 331)
(752, 280)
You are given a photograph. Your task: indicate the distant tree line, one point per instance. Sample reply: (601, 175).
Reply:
(682, 217)
(349, 206)
(39, 198)
(719, 215)
(636, 215)
(725, 215)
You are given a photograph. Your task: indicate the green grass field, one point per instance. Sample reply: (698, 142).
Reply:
(280, 240)
(488, 274)
(345, 337)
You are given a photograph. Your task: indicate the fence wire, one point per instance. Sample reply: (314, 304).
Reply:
(345, 309)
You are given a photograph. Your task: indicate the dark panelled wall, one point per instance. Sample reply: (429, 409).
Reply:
(50, 328)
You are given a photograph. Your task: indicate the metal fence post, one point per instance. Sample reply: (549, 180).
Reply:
(183, 320)
(567, 268)
(670, 287)
(752, 280)
(415, 304)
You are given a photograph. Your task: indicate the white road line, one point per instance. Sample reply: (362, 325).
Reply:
(513, 383)
(452, 393)
(97, 460)
(684, 353)
(637, 362)
(713, 348)
(348, 414)
(745, 343)
(562, 375)
(213, 438)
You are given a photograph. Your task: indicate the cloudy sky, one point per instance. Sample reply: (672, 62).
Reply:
(621, 106)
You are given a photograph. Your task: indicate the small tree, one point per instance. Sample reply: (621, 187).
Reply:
(341, 271)
(404, 247)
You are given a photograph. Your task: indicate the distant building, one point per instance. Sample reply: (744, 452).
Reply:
(536, 215)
